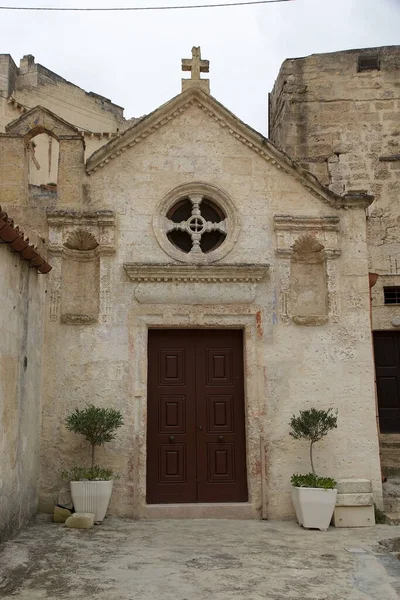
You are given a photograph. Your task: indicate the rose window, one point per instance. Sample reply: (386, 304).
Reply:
(196, 225)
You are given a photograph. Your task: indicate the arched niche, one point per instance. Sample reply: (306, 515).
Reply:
(80, 273)
(44, 134)
(308, 281)
(43, 152)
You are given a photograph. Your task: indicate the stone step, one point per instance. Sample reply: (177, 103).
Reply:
(393, 518)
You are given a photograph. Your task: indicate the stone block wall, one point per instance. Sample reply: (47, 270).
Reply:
(344, 126)
(22, 293)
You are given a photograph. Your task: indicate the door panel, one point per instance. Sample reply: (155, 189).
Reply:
(387, 366)
(196, 422)
(171, 420)
(220, 414)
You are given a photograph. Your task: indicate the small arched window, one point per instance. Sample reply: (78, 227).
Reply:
(42, 155)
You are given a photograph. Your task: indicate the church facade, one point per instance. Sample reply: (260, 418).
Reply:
(204, 284)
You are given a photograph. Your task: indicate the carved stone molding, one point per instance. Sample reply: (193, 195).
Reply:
(81, 292)
(302, 223)
(325, 231)
(81, 240)
(197, 191)
(76, 319)
(311, 241)
(184, 285)
(189, 274)
(82, 231)
(194, 96)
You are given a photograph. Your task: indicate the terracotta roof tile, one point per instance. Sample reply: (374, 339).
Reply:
(11, 235)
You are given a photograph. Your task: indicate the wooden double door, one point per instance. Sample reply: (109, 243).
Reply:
(196, 449)
(387, 366)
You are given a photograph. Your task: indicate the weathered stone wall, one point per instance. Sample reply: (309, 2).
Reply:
(288, 366)
(32, 84)
(344, 126)
(22, 293)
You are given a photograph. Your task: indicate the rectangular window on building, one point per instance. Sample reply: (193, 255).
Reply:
(392, 295)
(369, 62)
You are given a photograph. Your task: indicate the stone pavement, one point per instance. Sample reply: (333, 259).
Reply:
(198, 560)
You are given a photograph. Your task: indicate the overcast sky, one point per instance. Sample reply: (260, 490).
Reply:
(134, 58)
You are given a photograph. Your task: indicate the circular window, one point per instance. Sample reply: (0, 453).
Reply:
(196, 223)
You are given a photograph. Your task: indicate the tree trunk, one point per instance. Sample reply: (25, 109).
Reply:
(93, 456)
(311, 459)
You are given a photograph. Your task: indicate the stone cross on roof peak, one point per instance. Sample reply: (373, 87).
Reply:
(196, 65)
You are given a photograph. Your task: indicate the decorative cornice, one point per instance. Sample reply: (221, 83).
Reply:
(95, 229)
(193, 274)
(289, 222)
(288, 228)
(58, 218)
(46, 120)
(195, 96)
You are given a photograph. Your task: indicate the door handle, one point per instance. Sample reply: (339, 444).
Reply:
(171, 438)
(220, 438)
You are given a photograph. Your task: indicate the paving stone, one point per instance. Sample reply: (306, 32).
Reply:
(198, 560)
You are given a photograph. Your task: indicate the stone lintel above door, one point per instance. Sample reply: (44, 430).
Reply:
(190, 284)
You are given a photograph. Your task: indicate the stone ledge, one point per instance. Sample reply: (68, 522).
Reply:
(193, 273)
(365, 499)
(354, 486)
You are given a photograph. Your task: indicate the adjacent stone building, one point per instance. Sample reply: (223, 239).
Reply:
(203, 283)
(338, 114)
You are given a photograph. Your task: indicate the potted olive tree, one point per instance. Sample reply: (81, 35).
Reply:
(91, 487)
(313, 497)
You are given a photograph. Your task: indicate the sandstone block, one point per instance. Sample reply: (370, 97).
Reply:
(80, 521)
(354, 500)
(354, 486)
(60, 515)
(353, 516)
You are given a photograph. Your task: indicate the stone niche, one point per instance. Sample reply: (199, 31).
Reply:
(308, 282)
(308, 276)
(80, 275)
(81, 245)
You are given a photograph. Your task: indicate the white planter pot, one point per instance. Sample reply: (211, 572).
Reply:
(91, 497)
(314, 506)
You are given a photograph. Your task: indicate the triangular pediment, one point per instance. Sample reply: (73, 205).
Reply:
(254, 140)
(41, 120)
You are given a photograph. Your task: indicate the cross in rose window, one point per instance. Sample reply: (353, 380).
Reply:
(196, 225)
